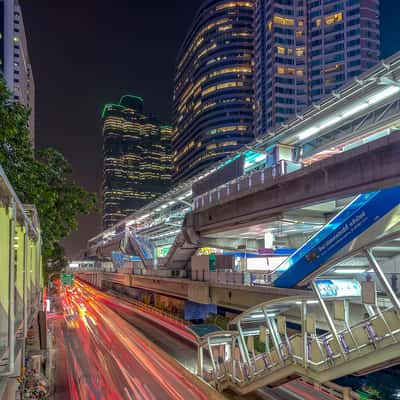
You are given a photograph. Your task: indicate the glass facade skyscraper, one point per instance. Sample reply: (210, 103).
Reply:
(137, 158)
(213, 89)
(305, 49)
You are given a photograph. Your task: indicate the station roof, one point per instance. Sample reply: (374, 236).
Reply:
(204, 329)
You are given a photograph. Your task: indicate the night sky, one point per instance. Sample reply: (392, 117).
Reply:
(86, 53)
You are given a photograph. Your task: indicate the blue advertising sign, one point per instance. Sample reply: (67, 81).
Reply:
(118, 259)
(194, 310)
(339, 287)
(364, 211)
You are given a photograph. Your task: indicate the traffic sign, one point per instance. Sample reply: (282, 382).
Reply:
(67, 279)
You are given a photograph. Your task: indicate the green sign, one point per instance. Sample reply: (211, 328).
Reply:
(67, 279)
(163, 251)
(212, 258)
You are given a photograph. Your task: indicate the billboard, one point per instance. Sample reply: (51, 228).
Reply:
(193, 311)
(339, 288)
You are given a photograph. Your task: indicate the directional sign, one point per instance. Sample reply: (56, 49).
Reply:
(67, 279)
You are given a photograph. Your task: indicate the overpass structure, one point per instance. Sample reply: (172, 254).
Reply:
(21, 281)
(290, 182)
(340, 327)
(296, 188)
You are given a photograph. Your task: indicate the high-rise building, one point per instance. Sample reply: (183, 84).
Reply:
(213, 88)
(137, 158)
(305, 49)
(14, 58)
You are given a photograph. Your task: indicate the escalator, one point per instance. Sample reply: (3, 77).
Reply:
(180, 253)
(359, 223)
(133, 244)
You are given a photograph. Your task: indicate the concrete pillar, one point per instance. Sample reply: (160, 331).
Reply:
(303, 306)
(228, 351)
(347, 393)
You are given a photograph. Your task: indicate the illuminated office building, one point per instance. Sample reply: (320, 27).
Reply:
(305, 49)
(14, 59)
(137, 158)
(213, 88)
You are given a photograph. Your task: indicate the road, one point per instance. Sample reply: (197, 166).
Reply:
(179, 343)
(102, 356)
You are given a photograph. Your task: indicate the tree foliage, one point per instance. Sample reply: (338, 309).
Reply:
(43, 179)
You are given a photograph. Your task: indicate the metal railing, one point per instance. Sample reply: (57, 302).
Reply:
(245, 183)
(341, 392)
(153, 310)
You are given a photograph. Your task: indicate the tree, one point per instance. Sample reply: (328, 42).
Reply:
(43, 179)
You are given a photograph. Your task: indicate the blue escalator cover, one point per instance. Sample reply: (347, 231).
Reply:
(354, 219)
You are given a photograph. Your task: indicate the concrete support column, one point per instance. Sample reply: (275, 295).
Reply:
(347, 393)
(304, 331)
(228, 351)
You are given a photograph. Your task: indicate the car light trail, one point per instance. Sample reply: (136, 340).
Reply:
(107, 358)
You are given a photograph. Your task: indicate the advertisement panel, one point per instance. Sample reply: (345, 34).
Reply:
(339, 287)
(196, 311)
(265, 263)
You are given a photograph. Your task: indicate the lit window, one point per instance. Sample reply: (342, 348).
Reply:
(281, 70)
(234, 4)
(332, 19)
(283, 21)
(281, 50)
(224, 28)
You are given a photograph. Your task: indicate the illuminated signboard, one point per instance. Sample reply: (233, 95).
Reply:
(339, 287)
(206, 251)
(67, 279)
(163, 251)
(265, 263)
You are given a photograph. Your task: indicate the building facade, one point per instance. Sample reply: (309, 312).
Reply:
(305, 49)
(213, 88)
(137, 158)
(14, 59)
